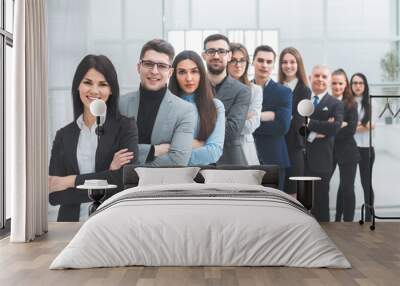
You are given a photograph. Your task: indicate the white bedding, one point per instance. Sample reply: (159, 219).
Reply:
(189, 230)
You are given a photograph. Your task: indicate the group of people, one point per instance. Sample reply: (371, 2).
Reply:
(187, 113)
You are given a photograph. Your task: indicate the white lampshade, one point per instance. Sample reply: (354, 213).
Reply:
(305, 107)
(98, 107)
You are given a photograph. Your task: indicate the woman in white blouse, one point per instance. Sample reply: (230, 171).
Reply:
(237, 68)
(360, 89)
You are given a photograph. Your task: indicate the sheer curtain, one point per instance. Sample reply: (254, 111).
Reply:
(26, 116)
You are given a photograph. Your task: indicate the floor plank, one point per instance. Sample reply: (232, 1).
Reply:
(374, 255)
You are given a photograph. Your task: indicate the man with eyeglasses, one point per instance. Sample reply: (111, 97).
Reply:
(276, 113)
(165, 121)
(234, 95)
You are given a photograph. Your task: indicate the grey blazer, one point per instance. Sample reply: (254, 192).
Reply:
(174, 125)
(251, 124)
(236, 99)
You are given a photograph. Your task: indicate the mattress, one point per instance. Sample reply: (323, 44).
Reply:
(201, 225)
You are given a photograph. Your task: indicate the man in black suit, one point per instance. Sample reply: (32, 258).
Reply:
(234, 95)
(324, 124)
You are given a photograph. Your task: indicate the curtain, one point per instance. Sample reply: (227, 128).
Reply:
(27, 123)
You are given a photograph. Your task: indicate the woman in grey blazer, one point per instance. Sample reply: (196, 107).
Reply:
(237, 68)
(77, 154)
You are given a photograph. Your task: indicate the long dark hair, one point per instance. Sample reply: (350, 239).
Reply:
(240, 48)
(104, 66)
(300, 73)
(204, 94)
(348, 98)
(365, 97)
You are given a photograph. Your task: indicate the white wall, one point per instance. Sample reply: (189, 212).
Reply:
(116, 29)
(353, 34)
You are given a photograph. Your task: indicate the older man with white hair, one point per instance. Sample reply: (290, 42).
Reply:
(324, 124)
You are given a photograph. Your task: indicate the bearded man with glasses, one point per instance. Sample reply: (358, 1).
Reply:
(165, 121)
(234, 95)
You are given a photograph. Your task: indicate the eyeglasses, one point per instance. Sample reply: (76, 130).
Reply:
(268, 62)
(237, 62)
(357, 83)
(212, 52)
(161, 67)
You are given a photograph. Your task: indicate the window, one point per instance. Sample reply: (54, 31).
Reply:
(253, 38)
(189, 40)
(9, 15)
(193, 40)
(6, 43)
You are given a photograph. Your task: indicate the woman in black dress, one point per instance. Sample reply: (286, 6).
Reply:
(345, 152)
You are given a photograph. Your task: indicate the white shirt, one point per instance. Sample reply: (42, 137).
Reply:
(87, 146)
(311, 137)
(362, 138)
(267, 82)
(264, 85)
(320, 95)
(292, 84)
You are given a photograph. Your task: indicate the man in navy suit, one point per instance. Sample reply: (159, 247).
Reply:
(275, 114)
(324, 124)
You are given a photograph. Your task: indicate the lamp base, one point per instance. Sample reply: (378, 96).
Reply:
(96, 195)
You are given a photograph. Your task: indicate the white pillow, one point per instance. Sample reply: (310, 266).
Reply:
(249, 177)
(166, 176)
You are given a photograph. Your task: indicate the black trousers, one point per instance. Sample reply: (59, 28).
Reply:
(70, 202)
(282, 172)
(320, 208)
(70, 212)
(365, 178)
(296, 169)
(346, 198)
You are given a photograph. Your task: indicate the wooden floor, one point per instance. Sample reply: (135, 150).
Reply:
(374, 255)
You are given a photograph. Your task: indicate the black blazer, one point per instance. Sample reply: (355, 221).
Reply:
(345, 148)
(118, 134)
(294, 140)
(320, 151)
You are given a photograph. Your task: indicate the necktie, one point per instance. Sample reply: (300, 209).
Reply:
(316, 101)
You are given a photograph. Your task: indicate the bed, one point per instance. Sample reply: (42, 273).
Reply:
(201, 224)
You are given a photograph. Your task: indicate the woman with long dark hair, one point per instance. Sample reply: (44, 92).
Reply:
(189, 81)
(293, 75)
(345, 151)
(237, 68)
(360, 89)
(77, 153)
